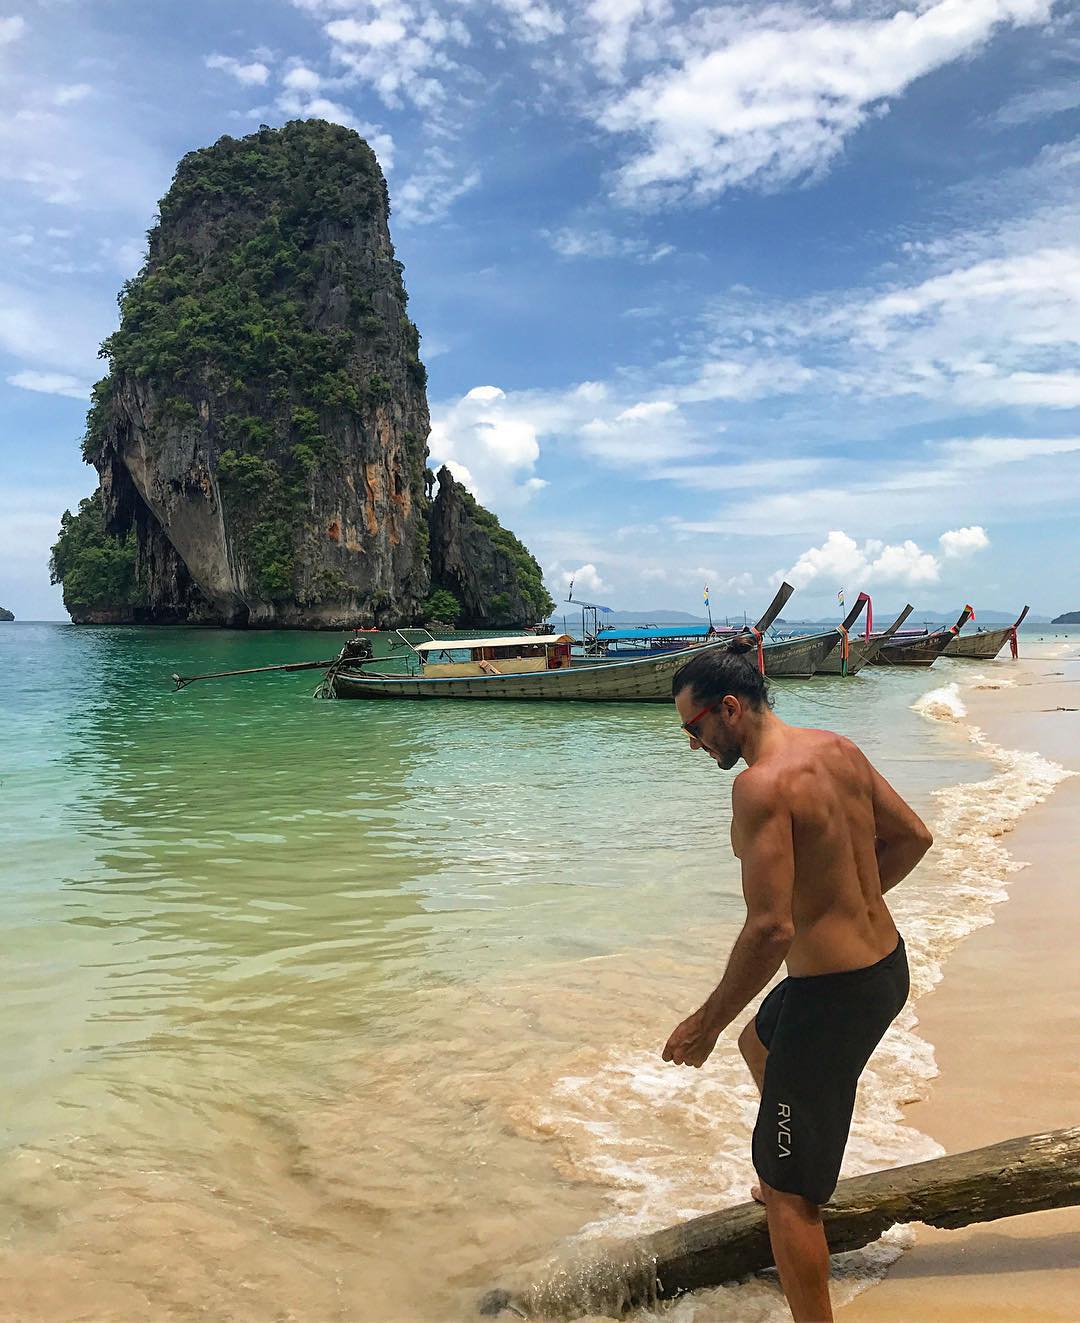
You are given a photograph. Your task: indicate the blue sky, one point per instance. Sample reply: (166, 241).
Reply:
(707, 293)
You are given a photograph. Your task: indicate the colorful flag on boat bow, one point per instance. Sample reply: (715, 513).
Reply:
(706, 594)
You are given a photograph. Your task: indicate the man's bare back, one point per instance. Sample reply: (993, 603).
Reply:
(827, 787)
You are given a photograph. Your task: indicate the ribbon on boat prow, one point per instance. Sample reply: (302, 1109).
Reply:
(1014, 641)
(845, 648)
(967, 614)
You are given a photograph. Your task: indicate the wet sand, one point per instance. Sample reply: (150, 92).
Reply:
(1005, 1024)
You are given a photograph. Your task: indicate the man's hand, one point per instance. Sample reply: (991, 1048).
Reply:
(691, 1042)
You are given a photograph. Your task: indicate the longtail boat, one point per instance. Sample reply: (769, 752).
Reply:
(860, 650)
(797, 657)
(847, 656)
(921, 649)
(788, 658)
(532, 667)
(986, 643)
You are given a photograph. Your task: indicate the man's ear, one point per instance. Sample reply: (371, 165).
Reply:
(732, 706)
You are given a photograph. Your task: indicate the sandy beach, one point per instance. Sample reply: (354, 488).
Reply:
(1005, 1023)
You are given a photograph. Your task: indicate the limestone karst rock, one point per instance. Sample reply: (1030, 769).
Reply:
(261, 436)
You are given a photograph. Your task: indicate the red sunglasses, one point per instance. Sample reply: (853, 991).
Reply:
(689, 726)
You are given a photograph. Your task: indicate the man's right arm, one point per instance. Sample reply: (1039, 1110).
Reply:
(902, 836)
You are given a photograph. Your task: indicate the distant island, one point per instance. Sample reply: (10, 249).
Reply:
(1069, 618)
(5, 614)
(260, 439)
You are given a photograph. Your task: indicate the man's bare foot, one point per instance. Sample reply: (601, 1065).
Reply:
(755, 1194)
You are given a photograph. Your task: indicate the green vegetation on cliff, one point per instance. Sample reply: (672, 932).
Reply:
(528, 574)
(442, 605)
(96, 569)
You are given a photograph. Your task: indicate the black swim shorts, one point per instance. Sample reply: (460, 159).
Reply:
(820, 1030)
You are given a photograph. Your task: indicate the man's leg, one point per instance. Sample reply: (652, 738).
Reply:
(796, 1232)
(801, 1252)
(755, 1054)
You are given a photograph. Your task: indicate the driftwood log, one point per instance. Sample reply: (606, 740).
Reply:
(1024, 1175)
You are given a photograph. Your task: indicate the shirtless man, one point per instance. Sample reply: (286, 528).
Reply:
(821, 835)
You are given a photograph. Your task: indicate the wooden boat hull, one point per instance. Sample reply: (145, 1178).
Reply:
(922, 650)
(985, 645)
(912, 652)
(642, 681)
(860, 651)
(797, 657)
(784, 658)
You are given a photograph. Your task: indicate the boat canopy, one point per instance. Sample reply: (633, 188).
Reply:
(515, 641)
(655, 632)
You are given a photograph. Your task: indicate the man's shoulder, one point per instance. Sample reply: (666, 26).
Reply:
(830, 737)
(758, 786)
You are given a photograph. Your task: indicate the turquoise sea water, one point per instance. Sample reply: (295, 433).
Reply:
(233, 911)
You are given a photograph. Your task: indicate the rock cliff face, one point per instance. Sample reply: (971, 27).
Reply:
(481, 563)
(5, 614)
(262, 432)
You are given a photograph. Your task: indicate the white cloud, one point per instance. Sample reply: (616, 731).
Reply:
(613, 23)
(906, 563)
(398, 52)
(53, 332)
(749, 377)
(254, 74)
(734, 474)
(984, 452)
(841, 560)
(429, 193)
(769, 97)
(68, 93)
(378, 32)
(51, 383)
(301, 79)
(997, 331)
(532, 20)
(963, 541)
(640, 436)
(569, 242)
(487, 445)
(586, 580)
(498, 435)
(1039, 104)
(11, 29)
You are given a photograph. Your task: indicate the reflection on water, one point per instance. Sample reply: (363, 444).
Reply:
(295, 988)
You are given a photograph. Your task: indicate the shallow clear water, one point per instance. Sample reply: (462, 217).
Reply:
(294, 989)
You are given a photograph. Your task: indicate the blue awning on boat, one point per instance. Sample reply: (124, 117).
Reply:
(654, 632)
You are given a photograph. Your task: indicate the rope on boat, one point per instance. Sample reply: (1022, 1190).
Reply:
(753, 629)
(845, 648)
